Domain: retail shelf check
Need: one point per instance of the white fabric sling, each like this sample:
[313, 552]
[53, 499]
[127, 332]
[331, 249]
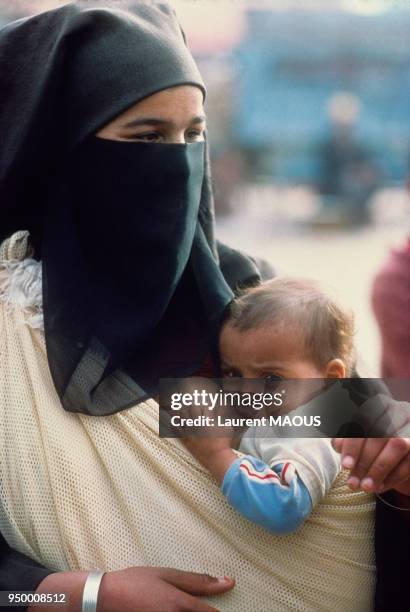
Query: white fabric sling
[78, 492]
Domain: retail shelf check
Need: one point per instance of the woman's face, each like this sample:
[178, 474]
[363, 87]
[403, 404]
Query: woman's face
[171, 116]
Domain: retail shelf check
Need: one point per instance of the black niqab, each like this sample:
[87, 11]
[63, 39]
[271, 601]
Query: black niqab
[132, 286]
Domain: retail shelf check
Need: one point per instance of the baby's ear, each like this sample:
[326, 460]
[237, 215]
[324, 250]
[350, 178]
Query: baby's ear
[335, 369]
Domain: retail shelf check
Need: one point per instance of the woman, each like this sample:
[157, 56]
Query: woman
[48, 102]
[110, 219]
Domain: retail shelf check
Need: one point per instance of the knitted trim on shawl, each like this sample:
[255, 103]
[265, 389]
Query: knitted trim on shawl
[21, 280]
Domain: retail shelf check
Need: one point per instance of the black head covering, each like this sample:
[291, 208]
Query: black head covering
[111, 330]
[67, 72]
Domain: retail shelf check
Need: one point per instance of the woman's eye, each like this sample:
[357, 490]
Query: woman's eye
[193, 135]
[272, 377]
[149, 137]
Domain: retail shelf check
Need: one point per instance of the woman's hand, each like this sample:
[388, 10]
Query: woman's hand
[138, 589]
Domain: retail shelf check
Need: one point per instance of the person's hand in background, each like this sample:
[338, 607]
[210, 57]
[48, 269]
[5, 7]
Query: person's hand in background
[382, 463]
[376, 464]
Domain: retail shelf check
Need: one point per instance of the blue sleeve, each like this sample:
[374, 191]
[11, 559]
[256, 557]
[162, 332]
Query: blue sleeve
[261, 495]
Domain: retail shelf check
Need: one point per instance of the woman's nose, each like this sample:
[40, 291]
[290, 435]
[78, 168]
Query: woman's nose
[175, 135]
[177, 138]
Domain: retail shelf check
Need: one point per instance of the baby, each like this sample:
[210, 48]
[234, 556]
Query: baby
[287, 328]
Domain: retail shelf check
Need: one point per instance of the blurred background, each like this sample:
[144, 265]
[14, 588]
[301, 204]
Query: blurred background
[309, 121]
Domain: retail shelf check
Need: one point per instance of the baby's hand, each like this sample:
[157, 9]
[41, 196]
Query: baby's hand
[209, 442]
[205, 447]
[210, 445]
[215, 453]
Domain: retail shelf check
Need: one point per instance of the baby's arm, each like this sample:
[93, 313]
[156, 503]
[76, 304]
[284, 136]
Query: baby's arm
[315, 461]
[275, 499]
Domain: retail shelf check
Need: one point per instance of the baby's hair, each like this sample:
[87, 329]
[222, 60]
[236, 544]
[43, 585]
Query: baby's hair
[326, 326]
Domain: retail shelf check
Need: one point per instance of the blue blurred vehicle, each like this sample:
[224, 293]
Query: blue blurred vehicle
[288, 67]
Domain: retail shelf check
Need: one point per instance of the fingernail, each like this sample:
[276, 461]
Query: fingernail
[224, 579]
[367, 484]
[337, 443]
[353, 482]
[348, 461]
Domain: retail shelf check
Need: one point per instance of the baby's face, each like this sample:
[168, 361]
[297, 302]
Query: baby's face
[270, 352]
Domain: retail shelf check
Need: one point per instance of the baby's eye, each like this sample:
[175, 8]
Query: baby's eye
[231, 374]
[272, 377]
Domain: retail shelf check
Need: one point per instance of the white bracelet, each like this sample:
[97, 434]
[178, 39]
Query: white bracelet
[90, 593]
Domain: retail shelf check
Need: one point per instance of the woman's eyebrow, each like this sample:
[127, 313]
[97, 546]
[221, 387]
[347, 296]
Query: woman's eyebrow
[158, 121]
[199, 119]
